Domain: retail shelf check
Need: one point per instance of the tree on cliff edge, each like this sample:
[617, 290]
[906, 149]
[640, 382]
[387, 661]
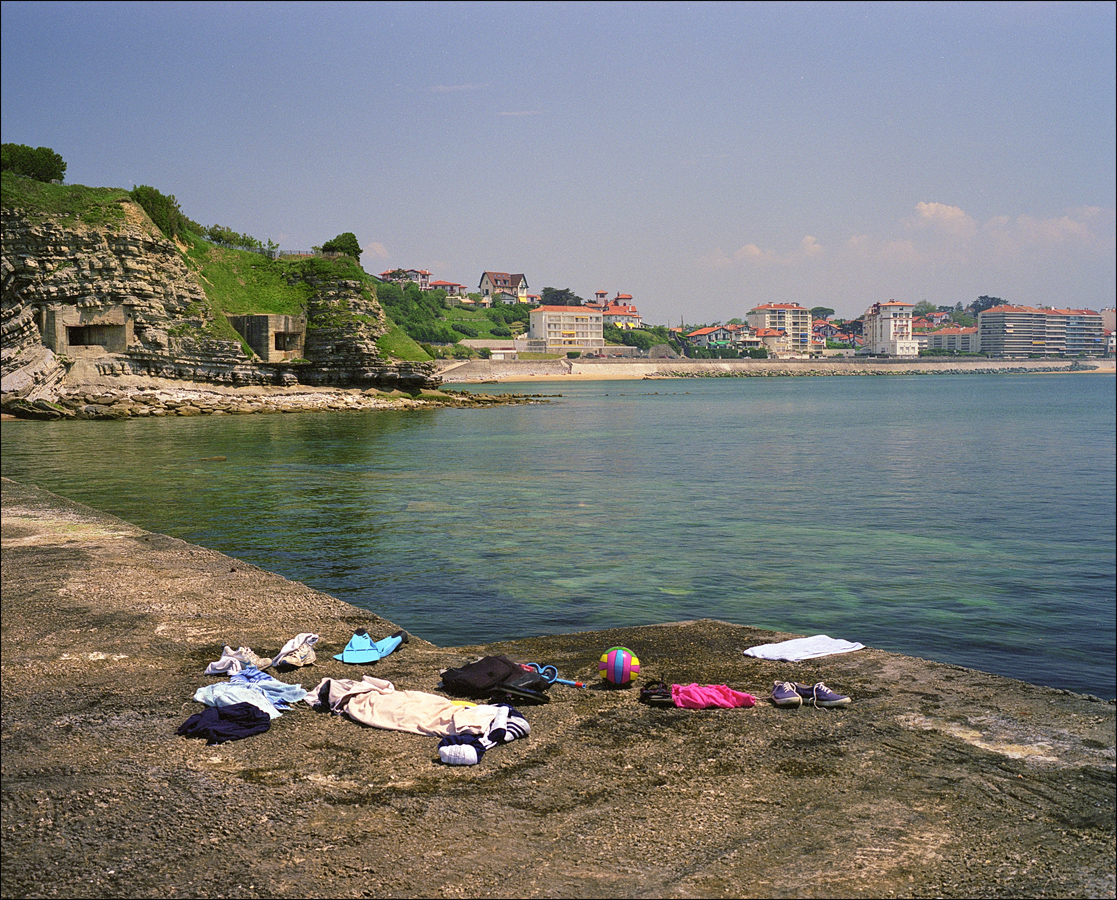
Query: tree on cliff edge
[346, 243]
[40, 163]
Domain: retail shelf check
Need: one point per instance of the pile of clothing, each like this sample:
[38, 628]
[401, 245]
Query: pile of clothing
[248, 702]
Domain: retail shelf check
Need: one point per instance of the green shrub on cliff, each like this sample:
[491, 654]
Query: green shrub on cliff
[163, 210]
[235, 282]
[346, 243]
[40, 163]
[226, 237]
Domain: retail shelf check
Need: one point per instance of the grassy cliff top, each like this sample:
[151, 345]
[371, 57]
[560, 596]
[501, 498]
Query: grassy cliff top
[39, 201]
[236, 282]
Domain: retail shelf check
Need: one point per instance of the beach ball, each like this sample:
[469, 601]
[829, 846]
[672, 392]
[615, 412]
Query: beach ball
[619, 665]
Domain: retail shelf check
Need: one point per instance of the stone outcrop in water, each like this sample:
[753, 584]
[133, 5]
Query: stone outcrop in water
[94, 302]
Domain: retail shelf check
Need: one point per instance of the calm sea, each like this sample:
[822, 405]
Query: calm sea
[968, 519]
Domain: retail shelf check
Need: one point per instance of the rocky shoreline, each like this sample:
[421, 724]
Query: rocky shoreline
[147, 399]
[937, 781]
[132, 396]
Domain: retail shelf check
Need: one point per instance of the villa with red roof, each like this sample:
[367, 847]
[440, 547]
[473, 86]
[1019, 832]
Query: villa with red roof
[420, 277]
[622, 313]
[452, 288]
[502, 287]
[732, 336]
[619, 311]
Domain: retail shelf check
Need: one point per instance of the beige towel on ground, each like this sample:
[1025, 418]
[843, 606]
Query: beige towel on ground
[376, 702]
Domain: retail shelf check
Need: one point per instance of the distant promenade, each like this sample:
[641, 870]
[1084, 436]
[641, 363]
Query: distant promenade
[482, 370]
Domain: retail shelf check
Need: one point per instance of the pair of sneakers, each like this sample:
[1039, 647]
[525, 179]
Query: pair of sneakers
[791, 695]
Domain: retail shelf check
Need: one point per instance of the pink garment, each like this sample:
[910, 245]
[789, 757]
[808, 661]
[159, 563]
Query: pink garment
[706, 696]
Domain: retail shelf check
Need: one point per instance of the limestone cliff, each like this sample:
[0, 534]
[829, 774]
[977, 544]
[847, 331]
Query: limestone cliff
[85, 302]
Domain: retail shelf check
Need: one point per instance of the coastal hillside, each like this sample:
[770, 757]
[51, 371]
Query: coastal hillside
[93, 288]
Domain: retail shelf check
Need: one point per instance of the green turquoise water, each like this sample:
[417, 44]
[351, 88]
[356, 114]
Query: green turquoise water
[969, 519]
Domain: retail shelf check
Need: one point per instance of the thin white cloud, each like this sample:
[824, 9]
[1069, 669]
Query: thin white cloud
[1052, 231]
[522, 112]
[936, 251]
[715, 259]
[903, 251]
[375, 248]
[951, 220]
[454, 88]
[938, 233]
[754, 254]
[810, 247]
[900, 251]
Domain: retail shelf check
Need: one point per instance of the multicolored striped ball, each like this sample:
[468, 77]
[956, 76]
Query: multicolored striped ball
[619, 665]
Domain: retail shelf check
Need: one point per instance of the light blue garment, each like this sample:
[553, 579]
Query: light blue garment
[225, 694]
[250, 675]
[362, 649]
[278, 692]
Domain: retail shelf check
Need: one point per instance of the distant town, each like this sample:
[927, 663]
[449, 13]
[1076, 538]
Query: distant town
[893, 328]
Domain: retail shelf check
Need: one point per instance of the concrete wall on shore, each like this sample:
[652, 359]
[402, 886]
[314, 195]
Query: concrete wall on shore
[480, 370]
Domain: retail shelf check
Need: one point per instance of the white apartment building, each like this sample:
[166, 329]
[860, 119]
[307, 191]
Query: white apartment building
[561, 329]
[1021, 331]
[790, 318]
[887, 330]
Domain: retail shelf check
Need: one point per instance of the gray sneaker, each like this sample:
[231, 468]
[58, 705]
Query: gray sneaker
[820, 695]
[784, 693]
[245, 655]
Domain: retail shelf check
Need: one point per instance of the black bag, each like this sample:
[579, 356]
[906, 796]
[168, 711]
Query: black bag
[493, 676]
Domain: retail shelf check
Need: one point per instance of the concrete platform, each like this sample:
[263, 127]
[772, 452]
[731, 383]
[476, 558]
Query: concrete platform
[935, 781]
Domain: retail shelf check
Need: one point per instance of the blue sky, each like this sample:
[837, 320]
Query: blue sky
[704, 158]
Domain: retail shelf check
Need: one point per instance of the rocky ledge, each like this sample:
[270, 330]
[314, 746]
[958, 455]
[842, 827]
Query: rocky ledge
[936, 781]
[176, 399]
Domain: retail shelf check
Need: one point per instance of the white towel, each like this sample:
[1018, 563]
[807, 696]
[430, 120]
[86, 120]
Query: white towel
[803, 648]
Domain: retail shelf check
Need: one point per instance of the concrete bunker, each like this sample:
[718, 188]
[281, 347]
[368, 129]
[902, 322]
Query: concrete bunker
[76, 331]
[273, 338]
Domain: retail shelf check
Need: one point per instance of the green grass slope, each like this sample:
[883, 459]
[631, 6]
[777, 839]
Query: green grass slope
[235, 282]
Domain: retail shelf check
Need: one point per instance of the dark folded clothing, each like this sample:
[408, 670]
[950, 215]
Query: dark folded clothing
[218, 724]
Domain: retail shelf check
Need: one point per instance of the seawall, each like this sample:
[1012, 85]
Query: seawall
[935, 781]
[481, 370]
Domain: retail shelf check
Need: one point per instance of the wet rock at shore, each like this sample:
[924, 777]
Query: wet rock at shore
[193, 400]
